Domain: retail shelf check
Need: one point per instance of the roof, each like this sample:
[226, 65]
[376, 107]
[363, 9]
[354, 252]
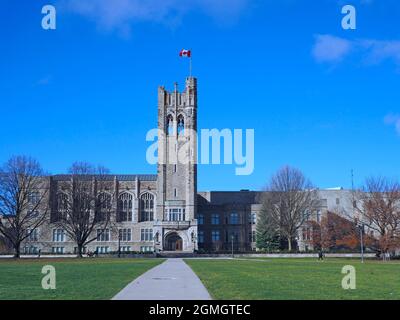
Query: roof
[110, 177]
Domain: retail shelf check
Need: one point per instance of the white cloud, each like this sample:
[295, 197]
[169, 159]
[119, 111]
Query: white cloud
[331, 49]
[378, 51]
[328, 48]
[393, 119]
[121, 14]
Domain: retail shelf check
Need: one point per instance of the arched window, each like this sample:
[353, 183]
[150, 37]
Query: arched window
[63, 206]
[103, 206]
[170, 125]
[62, 202]
[181, 125]
[125, 206]
[104, 201]
[147, 207]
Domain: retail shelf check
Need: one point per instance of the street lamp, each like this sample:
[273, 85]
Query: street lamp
[194, 238]
[361, 226]
[232, 238]
[119, 243]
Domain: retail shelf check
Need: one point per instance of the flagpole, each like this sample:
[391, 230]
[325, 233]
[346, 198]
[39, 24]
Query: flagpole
[190, 64]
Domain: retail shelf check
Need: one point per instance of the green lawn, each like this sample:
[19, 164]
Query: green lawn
[75, 278]
[281, 279]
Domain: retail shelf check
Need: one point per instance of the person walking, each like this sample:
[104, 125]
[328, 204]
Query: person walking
[320, 255]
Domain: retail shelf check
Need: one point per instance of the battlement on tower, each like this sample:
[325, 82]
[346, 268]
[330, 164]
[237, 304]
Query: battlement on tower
[176, 98]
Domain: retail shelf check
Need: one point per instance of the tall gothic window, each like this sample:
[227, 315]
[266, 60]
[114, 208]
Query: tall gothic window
[103, 206]
[62, 202]
[125, 207]
[170, 125]
[34, 198]
[181, 125]
[62, 207]
[147, 207]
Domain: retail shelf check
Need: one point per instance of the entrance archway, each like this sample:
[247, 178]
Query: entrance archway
[173, 242]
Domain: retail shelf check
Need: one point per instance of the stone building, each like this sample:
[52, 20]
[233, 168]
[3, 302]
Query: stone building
[165, 211]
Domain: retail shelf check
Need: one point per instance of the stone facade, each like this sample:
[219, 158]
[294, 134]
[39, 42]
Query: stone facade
[176, 222]
[164, 212]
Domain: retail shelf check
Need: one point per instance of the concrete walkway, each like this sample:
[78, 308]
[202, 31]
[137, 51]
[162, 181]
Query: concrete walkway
[171, 280]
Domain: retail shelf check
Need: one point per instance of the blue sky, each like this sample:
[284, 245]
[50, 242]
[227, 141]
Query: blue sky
[320, 98]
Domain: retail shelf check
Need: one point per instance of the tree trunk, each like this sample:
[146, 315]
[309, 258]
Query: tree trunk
[289, 243]
[80, 247]
[17, 249]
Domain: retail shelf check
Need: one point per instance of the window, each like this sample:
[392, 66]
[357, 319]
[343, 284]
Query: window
[33, 214]
[200, 219]
[306, 234]
[125, 249]
[34, 198]
[31, 250]
[102, 249]
[58, 235]
[105, 201]
[63, 206]
[337, 201]
[252, 218]
[318, 216]
[201, 236]
[32, 235]
[125, 234]
[125, 207]
[306, 215]
[175, 193]
[215, 236]
[176, 214]
[83, 250]
[103, 206]
[147, 207]
[181, 125]
[234, 218]
[252, 236]
[57, 250]
[146, 249]
[146, 235]
[215, 219]
[62, 202]
[103, 235]
[170, 125]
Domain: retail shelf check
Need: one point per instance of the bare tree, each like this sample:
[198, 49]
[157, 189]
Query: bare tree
[84, 205]
[377, 206]
[23, 205]
[289, 202]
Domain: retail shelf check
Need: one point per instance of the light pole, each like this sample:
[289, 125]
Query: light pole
[194, 238]
[232, 237]
[119, 243]
[362, 242]
[361, 225]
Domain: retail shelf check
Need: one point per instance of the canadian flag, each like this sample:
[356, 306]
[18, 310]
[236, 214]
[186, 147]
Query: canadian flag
[185, 53]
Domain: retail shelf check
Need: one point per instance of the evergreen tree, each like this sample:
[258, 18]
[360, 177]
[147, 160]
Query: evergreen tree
[267, 234]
